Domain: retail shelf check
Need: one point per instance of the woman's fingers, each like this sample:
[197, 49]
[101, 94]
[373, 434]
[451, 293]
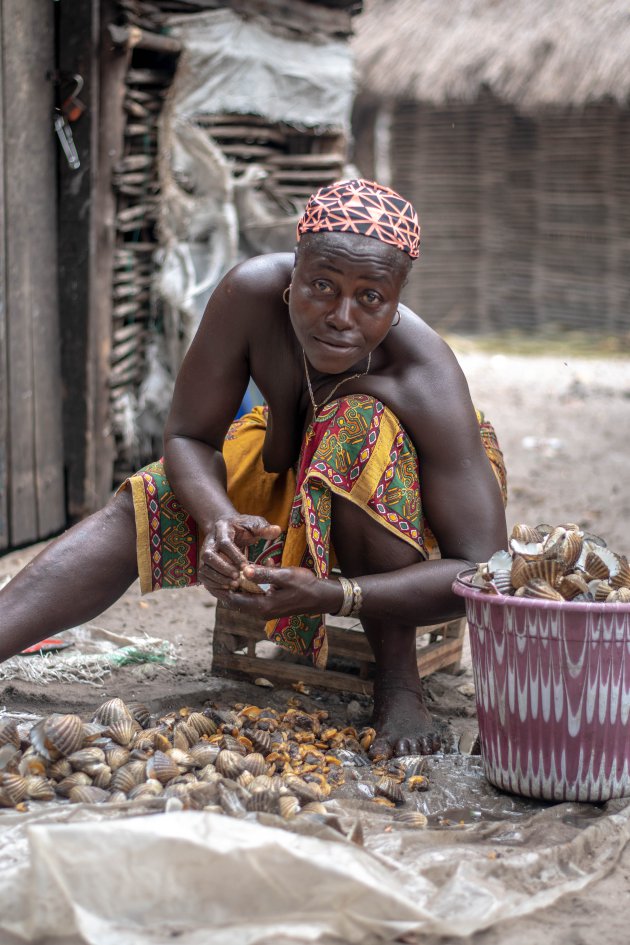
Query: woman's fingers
[226, 547]
[216, 564]
[246, 603]
[270, 531]
[222, 556]
[222, 564]
[216, 585]
[216, 572]
[252, 528]
[274, 576]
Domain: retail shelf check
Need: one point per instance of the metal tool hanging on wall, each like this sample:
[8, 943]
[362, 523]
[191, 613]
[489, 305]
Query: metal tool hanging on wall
[70, 109]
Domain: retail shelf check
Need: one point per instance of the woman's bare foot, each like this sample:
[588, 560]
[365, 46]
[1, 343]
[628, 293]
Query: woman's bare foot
[403, 724]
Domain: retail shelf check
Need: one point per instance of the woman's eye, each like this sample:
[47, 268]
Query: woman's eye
[372, 298]
[321, 286]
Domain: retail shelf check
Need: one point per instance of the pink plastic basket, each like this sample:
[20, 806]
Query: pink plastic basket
[552, 683]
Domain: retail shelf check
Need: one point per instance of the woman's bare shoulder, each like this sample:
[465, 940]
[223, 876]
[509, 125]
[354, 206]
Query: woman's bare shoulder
[429, 388]
[270, 273]
[251, 289]
[422, 352]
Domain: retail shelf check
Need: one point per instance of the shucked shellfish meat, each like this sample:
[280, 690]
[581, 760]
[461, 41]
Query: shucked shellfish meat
[559, 562]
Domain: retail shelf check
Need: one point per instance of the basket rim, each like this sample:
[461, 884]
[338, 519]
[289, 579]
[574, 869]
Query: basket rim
[463, 588]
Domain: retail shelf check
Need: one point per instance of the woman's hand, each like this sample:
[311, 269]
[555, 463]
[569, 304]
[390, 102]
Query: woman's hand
[222, 558]
[287, 591]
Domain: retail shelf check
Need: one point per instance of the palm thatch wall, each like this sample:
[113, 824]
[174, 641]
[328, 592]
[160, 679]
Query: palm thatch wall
[507, 124]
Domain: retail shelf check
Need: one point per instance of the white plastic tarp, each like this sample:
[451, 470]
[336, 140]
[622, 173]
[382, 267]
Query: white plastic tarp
[234, 65]
[85, 875]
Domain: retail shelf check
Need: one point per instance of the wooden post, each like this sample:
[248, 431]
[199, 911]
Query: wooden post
[86, 230]
[77, 26]
[4, 382]
[383, 144]
[33, 502]
[364, 113]
[114, 63]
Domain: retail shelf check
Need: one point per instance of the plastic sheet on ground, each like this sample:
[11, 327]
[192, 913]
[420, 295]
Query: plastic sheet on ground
[123, 873]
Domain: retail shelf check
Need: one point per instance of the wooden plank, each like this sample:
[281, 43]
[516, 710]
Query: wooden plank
[300, 16]
[346, 644]
[110, 134]
[40, 166]
[351, 644]
[439, 655]
[4, 380]
[235, 631]
[431, 659]
[276, 671]
[36, 491]
[22, 504]
[87, 233]
[342, 641]
[131, 36]
[76, 47]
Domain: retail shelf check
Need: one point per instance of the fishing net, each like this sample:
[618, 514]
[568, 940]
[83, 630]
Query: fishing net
[95, 653]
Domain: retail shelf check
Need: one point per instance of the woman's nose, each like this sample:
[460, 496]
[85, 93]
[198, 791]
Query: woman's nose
[340, 315]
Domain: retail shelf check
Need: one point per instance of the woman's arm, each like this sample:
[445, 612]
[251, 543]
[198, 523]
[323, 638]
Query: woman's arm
[209, 388]
[461, 497]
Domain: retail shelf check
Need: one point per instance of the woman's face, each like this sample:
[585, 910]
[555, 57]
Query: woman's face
[344, 294]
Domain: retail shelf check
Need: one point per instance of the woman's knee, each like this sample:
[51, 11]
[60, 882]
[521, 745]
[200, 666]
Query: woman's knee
[119, 510]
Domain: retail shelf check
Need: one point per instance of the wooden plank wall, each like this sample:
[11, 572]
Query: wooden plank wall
[32, 504]
[519, 303]
[620, 214]
[85, 235]
[573, 236]
[4, 380]
[434, 161]
[114, 63]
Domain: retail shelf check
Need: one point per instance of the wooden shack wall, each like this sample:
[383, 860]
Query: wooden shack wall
[443, 285]
[31, 455]
[86, 236]
[525, 221]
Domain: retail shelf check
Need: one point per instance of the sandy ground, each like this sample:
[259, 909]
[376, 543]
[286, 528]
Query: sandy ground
[562, 423]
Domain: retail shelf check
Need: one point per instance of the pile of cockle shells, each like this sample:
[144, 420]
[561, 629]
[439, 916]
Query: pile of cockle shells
[560, 563]
[235, 761]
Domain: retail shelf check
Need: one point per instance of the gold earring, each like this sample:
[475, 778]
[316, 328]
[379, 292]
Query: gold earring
[284, 294]
[393, 324]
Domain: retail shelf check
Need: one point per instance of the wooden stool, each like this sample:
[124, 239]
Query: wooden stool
[350, 659]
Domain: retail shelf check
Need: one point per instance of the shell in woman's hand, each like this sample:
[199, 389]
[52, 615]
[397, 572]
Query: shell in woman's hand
[250, 587]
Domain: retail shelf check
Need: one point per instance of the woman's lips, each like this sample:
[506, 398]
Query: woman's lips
[334, 346]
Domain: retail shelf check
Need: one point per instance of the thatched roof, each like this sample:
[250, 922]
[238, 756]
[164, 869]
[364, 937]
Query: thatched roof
[531, 53]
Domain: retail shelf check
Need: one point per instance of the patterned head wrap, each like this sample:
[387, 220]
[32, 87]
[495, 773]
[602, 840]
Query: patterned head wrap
[365, 207]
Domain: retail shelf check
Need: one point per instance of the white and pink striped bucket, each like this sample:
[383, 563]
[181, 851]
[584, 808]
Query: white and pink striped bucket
[552, 682]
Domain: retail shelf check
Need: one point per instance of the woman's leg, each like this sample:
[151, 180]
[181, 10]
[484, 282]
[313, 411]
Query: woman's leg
[74, 579]
[402, 721]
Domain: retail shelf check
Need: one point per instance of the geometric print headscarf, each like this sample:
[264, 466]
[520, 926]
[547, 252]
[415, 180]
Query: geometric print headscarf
[365, 207]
